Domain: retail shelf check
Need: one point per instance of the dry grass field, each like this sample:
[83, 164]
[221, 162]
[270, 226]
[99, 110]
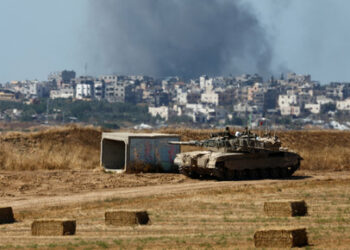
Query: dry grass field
[55, 173]
[70, 147]
[74, 147]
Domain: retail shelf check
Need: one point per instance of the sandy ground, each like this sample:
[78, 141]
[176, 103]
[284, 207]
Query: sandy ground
[56, 188]
[16, 185]
[184, 213]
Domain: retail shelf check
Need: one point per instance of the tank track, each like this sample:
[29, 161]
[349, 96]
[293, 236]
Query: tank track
[246, 174]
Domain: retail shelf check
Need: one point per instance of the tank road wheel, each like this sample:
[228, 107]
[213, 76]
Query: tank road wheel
[241, 174]
[220, 172]
[264, 173]
[187, 171]
[184, 171]
[253, 174]
[230, 174]
[274, 173]
[283, 172]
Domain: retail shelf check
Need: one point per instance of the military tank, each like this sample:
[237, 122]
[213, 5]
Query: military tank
[243, 155]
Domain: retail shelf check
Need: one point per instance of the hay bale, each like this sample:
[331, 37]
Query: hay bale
[281, 238]
[6, 215]
[126, 217]
[285, 208]
[53, 227]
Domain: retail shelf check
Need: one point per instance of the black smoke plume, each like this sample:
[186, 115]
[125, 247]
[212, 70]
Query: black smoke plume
[187, 38]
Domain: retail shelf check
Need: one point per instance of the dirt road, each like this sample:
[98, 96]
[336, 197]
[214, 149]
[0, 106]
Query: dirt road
[30, 201]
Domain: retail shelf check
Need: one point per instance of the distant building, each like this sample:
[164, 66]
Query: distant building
[62, 78]
[206, 83]
[162, 111]
[99, 89]
[287, 100]
[7, 95]
[343, 105]
[62, 93]
[290, 110]
[114, 88]
[323, 100]
[84, 87]
[313, 108]
[83, 91]
[210, 98]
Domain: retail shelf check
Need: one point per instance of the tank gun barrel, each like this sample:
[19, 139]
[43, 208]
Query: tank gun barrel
[190, 143]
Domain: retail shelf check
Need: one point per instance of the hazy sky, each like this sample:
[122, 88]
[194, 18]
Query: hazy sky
[41, 36]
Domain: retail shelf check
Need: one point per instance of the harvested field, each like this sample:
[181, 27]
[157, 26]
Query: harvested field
[199, 215]
[6, 215]
[281, 238]
[285, 208]
[126, 217]
[53, 227]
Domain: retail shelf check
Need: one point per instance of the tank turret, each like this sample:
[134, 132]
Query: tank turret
[240, 142]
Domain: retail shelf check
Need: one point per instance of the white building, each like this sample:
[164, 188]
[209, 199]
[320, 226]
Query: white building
[210, 97]
[109, 78]
[290, 110]
[200, 112]
[314, 108]
[206, 83]
[99, 89]
[162, 111]
[30, 89]
[181, 97]
[244, 107]
[83, 91]
[287, 100]
[343, 105]
[321, 99]
[62, 93]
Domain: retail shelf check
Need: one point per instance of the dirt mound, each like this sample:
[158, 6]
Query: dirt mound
[69, 147]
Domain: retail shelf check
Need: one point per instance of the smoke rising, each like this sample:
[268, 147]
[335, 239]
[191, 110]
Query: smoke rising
[187, 38]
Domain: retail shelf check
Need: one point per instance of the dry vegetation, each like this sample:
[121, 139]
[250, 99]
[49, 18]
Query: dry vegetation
[74, 147]
[69, 147]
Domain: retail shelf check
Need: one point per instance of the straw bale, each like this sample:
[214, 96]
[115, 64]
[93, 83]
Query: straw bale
[6, 215]
[53, 227]
[126, 217]
[281, 238]
[285, 208]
